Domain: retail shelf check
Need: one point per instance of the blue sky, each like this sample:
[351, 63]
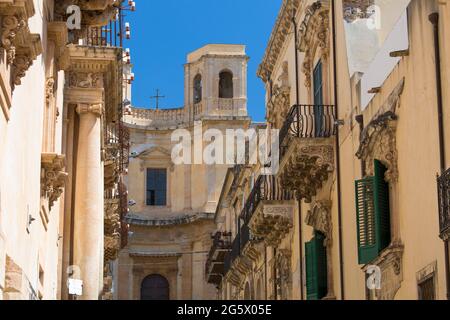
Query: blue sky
[165, 31]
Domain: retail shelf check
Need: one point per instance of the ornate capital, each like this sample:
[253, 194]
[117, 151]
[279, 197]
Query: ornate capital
[96, 109]
[279, 104]
[272, 221]
[319, 217]
[53, 176]
[378, 140]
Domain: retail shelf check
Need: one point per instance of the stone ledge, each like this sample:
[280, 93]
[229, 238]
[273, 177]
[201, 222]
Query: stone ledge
[134, 219]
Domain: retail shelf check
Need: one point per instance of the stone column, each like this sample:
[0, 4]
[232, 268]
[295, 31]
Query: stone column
[89, 212]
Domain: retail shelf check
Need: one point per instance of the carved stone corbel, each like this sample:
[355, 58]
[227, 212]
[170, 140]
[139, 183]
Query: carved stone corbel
[11, 25]
[307, 168]
[390, 263]
[53, 177]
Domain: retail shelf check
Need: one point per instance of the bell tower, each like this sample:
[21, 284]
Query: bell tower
[216, 81]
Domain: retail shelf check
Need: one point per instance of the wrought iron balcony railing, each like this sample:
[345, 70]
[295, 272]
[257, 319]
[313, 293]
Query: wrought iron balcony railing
[267, 188]
[308, 121]
[216, 257]
[444, 204]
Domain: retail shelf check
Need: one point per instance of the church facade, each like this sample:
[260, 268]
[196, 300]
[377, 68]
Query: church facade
[173, 205]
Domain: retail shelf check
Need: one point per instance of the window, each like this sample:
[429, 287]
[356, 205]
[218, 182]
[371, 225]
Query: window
[197, 89]
[156, 187]
[226, 85]
[427, 289]
[318, 100]
[373, 215]
[316, 268]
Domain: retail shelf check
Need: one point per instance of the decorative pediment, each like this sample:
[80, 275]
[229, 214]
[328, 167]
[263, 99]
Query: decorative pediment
[319, 217]
[378, 139]
[154, 152]
[314, 35]
[53, 177]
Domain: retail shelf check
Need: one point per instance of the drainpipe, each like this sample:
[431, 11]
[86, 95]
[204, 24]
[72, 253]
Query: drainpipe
[360, 120]
[434, 19]
[338, 151]
[297, 102]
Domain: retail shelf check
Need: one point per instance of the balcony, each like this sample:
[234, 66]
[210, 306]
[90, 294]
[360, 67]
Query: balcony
[238, 261]
[215, 265]
[307, 149]
[269, 210]
[444, 205]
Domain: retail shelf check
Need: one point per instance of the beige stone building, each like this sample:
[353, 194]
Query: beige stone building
[173, 205]
[63, 149]
[360, 93]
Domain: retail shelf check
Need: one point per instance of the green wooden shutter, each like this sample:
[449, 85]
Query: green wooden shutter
[311, 289]
[316, 268]
[382, 206]
[373, 215]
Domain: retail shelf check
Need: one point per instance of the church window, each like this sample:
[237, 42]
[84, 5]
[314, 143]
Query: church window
[226, 85]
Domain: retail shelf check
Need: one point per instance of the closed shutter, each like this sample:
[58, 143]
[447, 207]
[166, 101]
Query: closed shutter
[316, 268]
[373, 215]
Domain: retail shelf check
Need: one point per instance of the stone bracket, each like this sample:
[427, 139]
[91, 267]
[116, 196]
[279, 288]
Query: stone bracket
[53, 177]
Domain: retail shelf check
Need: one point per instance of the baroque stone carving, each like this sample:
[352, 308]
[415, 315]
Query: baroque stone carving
[307, 168]
[279, 104]
[314, 35]
[20, 45]
[96, 109]
[277, 40]
[378, 139]
[53, 177]
[282, 264]
[11, 25]
[85, 80]
[357, 9]
[319, 217]
[391, 265]
[272, 222]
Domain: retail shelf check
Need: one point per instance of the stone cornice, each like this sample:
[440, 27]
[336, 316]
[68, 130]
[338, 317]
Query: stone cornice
[278, 38]
[180, 220]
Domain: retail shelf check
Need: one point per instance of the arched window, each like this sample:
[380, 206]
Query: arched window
[155, 287]
[197, 89]
[226, 85]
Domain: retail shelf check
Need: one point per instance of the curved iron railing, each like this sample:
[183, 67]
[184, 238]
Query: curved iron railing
[267, 188]
[308, 121]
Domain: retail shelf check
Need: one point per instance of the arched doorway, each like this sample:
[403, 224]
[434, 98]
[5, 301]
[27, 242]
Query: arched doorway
[155, 287]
